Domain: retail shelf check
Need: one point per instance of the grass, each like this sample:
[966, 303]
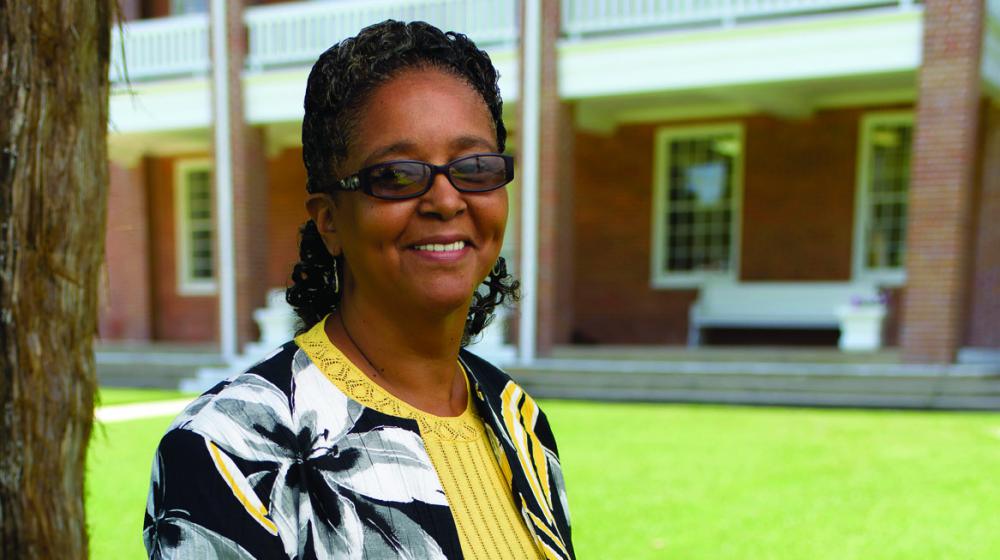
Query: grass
[700, 482]
[118, 466]
[107, 396]
[707, 482]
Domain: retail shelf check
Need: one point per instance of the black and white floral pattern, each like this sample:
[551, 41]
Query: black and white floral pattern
[280, 463]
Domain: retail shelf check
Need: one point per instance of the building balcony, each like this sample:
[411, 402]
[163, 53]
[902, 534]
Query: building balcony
[621, 61]
[294, 33]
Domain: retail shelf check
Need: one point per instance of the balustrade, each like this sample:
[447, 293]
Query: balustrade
[294, 33]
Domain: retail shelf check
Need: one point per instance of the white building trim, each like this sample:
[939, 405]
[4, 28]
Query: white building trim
[530, 156]
[862, 43]
[224, 184]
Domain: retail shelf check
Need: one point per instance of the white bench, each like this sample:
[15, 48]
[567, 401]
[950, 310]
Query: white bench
[774, 305]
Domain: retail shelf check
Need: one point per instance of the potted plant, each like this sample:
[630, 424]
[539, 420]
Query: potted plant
[861, 323]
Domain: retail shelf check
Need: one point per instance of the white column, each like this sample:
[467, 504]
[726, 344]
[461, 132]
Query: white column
[225, 244]
[531, 39]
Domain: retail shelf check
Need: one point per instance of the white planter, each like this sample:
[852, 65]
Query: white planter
[276, 323]
[861, 327]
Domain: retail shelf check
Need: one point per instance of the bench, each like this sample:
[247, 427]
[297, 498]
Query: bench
[774, 305]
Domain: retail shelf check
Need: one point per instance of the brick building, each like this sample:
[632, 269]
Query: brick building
[831, 147]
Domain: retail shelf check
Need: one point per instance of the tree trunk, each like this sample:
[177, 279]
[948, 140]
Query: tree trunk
[53, 185]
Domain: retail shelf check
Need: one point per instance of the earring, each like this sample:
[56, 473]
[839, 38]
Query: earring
[336, 277]
[500, 268]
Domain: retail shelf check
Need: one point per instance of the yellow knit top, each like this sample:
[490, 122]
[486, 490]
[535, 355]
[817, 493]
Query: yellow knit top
[489, 526]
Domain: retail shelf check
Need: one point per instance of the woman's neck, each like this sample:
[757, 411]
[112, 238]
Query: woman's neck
[412, 355]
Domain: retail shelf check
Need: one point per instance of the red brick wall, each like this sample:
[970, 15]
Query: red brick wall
[161, 8]
[155, 8]
[943, 176]
[285, 214]
[613, 302]
[799, 188]
[984, 310]
[799, 183]
[175, 317]
[250, 185]
[131, 9]
[152, 256]
[126, 306]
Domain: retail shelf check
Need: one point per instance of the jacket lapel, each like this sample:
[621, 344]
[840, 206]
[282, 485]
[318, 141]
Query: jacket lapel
[511, 416]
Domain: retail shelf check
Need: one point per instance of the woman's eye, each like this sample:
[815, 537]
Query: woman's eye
[393, 175]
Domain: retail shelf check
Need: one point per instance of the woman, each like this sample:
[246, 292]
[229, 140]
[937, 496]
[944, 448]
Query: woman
[374, 434]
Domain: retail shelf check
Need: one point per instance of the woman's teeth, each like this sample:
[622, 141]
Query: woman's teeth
[437, 247]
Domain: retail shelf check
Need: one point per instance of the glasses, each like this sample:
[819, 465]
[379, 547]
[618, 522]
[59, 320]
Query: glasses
[399, 180]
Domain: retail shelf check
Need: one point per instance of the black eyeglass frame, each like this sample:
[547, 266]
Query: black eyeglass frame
[360, 181]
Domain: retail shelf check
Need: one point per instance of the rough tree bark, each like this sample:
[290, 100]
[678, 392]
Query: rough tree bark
[53, 184]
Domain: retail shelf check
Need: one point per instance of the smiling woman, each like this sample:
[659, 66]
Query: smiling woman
[374, 433]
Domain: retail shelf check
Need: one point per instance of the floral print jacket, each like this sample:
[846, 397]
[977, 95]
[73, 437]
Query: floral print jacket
[279, 463]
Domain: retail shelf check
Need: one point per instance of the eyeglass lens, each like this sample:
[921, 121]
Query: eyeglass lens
[408, 178]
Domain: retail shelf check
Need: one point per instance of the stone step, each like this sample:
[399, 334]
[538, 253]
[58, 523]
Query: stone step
[899, 389]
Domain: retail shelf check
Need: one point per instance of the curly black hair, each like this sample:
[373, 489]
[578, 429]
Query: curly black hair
[339, 84]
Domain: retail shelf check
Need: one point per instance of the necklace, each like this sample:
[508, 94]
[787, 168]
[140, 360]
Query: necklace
[356, 345]
[375, 368]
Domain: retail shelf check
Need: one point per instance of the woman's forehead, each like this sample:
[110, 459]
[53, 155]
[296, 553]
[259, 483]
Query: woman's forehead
[418, 107]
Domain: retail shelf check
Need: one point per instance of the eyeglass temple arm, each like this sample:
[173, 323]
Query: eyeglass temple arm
[351, 183]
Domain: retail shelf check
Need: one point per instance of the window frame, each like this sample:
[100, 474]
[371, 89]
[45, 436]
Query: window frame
[860, 271]
[659, 278]
[186, 284]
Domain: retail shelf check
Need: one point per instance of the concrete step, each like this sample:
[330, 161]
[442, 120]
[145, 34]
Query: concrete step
[854, 385]
[146, 366]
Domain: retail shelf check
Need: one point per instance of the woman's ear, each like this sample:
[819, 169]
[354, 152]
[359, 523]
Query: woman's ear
[322, 209]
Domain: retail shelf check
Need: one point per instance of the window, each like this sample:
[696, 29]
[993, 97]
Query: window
[195, 227]
[884, 154]
[178, 7]
[696, 198]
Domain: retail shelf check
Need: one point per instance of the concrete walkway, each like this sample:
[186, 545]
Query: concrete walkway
[138, 411]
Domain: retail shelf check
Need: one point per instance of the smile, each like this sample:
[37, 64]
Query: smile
[440, 248]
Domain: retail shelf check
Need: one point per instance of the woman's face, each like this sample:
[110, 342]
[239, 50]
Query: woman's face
[392, 249]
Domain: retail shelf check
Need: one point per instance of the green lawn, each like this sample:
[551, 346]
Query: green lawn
[107, 396]
[707, 482]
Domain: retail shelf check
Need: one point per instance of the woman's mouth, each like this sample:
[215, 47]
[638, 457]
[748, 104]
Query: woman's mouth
[441, 248]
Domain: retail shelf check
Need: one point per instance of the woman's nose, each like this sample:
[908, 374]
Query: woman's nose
[442, 200]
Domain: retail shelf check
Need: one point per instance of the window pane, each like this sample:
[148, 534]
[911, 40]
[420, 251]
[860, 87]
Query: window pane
[889, 149]
[200, 228]
[178, 7]
[699, 201]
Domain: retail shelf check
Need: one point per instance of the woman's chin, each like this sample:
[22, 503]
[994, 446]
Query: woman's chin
[444, 300]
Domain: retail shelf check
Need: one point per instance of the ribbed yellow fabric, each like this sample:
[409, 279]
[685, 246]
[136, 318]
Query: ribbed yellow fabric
[489, 526]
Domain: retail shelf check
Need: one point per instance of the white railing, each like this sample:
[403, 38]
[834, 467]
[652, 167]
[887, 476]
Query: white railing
[583, 17]
[296, 33]
[164, 47]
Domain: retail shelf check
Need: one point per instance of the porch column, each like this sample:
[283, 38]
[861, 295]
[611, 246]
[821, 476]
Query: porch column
[555, 232]
[546, 221]
[942, 183]
[985, 282]
[240, 180]
[126, 290]
[250, 224]
[530, 53]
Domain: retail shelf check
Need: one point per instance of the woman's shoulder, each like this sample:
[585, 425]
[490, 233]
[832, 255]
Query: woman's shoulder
[273, 393]
[487, 375]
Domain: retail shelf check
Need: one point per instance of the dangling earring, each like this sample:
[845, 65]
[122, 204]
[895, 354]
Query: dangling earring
[500, 268]
[336, 277]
